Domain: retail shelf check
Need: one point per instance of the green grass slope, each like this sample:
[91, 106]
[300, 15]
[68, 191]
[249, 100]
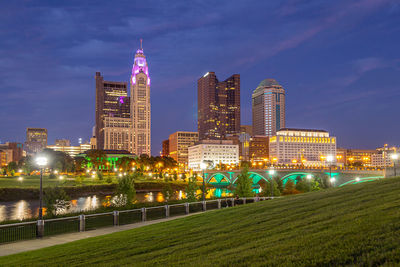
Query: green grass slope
[353, 225]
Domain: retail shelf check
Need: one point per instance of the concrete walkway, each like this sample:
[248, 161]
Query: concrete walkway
[22, 246]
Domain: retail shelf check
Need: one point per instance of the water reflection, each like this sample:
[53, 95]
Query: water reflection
[20, 210]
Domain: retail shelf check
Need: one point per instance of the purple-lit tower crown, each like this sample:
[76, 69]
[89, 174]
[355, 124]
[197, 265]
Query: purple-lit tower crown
[140, 65]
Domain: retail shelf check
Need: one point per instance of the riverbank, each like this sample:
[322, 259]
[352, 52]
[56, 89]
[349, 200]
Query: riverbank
[13, 194]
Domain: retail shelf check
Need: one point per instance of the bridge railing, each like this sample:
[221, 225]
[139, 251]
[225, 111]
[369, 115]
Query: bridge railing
[37, 229]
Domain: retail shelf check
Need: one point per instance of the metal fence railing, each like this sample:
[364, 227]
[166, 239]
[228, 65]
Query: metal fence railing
[130, 216]
[94, 221]
[30, 230]
[178, 209]
[61, 225]
[17, 231]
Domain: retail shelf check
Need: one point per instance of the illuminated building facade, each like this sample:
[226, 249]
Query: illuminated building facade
[259, 148]
[268, 107]
[5, 156]
[215, 151]
[62, 142]
[71, 150]
[113, 123]
[140, 105]
[12, 151]
[179, 142]
[165, 148]
[218, 106]
[355, 157]
[36, 140]
[382, 157]
[302, 146]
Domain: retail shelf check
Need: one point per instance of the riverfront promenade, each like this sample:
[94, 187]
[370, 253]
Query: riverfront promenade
[23, 246]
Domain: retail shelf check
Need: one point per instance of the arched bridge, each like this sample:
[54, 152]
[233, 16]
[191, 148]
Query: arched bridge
[222, 179]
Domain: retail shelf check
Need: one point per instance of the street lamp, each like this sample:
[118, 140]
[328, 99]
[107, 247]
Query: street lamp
[357, 179]
[41, 161]
[394, 157]
[329, 159]
[203, 166]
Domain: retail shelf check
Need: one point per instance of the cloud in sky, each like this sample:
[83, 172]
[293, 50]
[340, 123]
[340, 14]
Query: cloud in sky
[51, 50]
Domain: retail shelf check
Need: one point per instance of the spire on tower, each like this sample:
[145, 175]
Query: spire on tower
[141, 40]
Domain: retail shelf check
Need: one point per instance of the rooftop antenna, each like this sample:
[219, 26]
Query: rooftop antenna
[141, 40]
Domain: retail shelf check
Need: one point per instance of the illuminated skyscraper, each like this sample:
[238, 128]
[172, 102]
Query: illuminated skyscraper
[268, 103]
[218, 106]
[140, 105]
[36, 140]
[113, 123]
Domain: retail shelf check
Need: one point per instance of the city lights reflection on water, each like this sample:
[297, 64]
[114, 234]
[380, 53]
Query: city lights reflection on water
[22, 209]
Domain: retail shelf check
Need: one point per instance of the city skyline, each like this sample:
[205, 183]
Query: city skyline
[353, 95]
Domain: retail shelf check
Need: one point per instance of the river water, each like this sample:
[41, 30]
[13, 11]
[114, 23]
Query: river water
[25, 209]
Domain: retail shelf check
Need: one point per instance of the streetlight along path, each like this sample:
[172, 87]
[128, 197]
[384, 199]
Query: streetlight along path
[23, 246]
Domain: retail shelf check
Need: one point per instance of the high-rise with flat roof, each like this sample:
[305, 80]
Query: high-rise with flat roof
[36, 140]
[113, 123]
[218, 106]
[268, 104]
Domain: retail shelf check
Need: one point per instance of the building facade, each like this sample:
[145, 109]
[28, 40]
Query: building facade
[62, 142]
[179, 142]
[259, 148]
[382, 157]
[6, 156]
[71, 150]
[36, 140]
[302, 146]
[113, 123]
[165, 148]
[218, 106]
[140, 105]
[268, 107]
[215, 151]
[355, 157]
[15, 151]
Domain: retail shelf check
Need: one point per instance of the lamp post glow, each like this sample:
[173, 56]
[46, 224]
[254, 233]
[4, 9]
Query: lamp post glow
[357, 179]
[41, 162]
[309, 176]
[203, 167]
[394, 157]
[329, 159]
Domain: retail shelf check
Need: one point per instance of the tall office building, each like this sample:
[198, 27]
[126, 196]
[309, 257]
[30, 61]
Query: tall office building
[218, 106]
[140, 105]
[179, 142]
[36, 140]
[113, 123]
[268, 104]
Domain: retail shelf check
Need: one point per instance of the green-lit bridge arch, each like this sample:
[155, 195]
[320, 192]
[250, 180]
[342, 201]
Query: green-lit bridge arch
[222, 179]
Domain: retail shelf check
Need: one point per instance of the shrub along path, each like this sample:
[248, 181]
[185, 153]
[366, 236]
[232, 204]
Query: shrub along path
[352, 225]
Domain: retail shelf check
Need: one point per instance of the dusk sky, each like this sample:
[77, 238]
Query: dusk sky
[339, 62]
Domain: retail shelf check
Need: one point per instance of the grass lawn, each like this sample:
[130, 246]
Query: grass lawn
[352, 225]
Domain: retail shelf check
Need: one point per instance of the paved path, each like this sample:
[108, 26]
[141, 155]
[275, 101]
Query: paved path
[22, 246]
